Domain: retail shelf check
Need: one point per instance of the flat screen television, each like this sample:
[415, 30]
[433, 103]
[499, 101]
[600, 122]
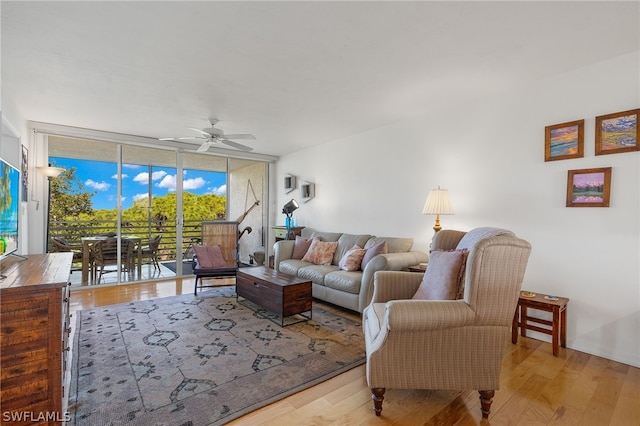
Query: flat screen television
[9, 208]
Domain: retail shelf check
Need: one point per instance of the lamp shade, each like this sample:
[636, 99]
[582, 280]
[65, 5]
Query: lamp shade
[438, 202]
[290, 207]
[50, 172]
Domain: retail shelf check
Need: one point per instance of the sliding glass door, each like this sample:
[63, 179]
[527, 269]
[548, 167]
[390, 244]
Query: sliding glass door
[157, 198]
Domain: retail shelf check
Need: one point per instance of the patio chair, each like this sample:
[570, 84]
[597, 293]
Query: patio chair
[63, 246]
[106, 254]
[151, 251]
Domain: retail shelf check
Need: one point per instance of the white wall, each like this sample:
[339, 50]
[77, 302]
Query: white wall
[490, 155]
[14, 135]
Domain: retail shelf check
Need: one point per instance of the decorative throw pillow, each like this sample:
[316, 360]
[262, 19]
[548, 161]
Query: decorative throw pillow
[352, 259]
[373, 251]
[444, 276]
[320, 252]
[210, 256]
[301, 247]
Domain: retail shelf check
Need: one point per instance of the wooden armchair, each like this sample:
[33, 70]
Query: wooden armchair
[225, 262]
[445, 344]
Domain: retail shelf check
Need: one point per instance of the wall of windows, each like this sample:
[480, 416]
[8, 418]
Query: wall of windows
[141, 193]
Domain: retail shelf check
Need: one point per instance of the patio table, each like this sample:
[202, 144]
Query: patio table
[88, 242]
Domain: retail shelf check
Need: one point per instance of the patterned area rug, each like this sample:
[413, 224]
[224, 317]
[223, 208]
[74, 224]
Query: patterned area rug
[199, 360]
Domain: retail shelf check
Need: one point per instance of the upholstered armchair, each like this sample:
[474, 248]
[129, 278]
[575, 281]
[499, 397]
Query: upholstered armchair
[446, 344]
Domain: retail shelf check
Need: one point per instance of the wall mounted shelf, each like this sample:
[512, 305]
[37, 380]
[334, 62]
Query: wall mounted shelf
[307, 191]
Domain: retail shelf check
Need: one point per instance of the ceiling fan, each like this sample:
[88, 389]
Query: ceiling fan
[212, 136]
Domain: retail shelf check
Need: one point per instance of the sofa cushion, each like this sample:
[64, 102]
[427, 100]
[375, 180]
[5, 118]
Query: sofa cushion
[326, 236]
[394, 245]
[320, 252]
[316, 273]
[210, 256]
[352, 259]
[348, 282]
[444, 276]
[291, 266]
[373, 251]
[301, 247]
[346, 243]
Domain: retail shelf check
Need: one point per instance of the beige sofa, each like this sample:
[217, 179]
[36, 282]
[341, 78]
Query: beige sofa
[351, 290]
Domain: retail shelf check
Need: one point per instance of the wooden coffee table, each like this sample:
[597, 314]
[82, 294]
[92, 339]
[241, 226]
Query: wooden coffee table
[282, 294]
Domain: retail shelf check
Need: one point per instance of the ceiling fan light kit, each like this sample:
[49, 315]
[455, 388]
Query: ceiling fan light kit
[213, 136]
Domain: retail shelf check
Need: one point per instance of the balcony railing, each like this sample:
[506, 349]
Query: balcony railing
[74, 231]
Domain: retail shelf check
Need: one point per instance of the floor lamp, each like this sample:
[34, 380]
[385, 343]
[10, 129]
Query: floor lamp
[50, 173]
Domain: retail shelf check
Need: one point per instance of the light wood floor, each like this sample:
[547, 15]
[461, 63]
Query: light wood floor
[536, 387]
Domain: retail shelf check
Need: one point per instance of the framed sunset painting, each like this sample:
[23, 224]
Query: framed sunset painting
[618, 132]
[564, 141]
[589, 187]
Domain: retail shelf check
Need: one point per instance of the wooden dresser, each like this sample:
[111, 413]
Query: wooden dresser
[34, 326]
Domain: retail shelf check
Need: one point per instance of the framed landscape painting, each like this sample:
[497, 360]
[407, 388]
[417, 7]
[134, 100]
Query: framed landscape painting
[618, 132]
[564, 141]
[589, 187]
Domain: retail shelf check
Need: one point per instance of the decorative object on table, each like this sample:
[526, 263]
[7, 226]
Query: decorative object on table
[618, 132]
[564, 141]
[589, 187]
[199, 359]
[307, 191]
[259, 257]
[50, 173]
[438, 203]
[289, 183]
[288, 210]
[25, 174]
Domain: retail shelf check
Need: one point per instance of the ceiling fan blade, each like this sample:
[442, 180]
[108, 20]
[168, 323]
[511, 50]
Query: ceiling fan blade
[236, 145]
[183, 139]
[240, 136]
[204, 147]
[200, 131]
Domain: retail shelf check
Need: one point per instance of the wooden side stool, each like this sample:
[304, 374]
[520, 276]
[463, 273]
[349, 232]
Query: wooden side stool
[558, 325]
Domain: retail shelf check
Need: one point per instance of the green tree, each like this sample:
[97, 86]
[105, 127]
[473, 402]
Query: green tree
[69, 198]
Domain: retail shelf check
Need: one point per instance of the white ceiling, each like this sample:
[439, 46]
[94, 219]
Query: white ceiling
[294, 74]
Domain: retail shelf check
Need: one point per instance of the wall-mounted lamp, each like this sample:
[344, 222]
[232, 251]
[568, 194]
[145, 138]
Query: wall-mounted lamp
[50, 173]
[438, 203]
[288, 210]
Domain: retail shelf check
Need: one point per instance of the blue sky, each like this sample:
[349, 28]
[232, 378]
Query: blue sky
[101, 177]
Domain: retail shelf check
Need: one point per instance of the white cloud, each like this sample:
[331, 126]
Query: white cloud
[98, 186]
[194, 183]
[220, 190]
[169, 183]
[144, 176]
[140, 197]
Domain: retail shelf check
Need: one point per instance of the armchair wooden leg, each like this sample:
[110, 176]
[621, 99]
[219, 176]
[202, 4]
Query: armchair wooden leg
[486, 398]
[377, 394]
